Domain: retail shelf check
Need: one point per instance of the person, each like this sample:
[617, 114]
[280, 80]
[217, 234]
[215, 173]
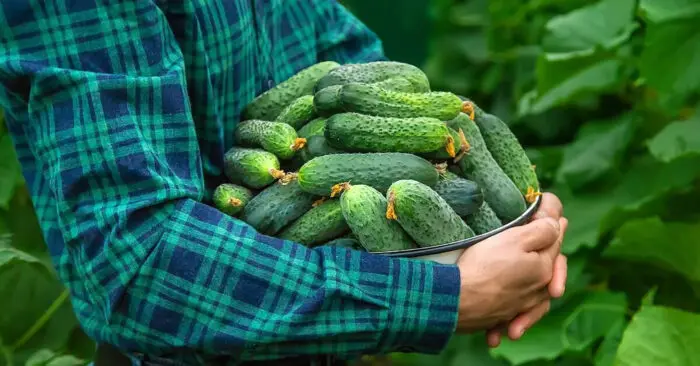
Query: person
[121, 112]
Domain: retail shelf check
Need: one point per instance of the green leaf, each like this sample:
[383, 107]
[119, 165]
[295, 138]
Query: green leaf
[10, 173]
[678, 139]
[605, 355]
[573, 327]
[590, 27]
[595, 152]
[660, 336]
[670, 60]
[670, 246]
[46, 357]
[473, 350]
[658, 11]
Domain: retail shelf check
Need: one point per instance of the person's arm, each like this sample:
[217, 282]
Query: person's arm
[342, 37]
[108, 122]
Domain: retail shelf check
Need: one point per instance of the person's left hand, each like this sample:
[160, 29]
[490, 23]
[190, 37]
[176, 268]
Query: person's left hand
[552, 207]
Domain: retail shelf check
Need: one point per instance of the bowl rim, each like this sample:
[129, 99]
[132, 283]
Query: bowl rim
[465, 243]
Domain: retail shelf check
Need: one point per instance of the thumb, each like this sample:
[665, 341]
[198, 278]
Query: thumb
[539, 234]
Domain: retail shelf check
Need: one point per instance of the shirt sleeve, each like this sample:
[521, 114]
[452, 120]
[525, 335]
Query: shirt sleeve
[342, 37]
[108, 121]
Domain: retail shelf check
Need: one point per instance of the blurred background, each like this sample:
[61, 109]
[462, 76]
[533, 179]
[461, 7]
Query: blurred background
[603, 94]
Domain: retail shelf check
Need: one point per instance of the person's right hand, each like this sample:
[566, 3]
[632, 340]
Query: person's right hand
[507, 274]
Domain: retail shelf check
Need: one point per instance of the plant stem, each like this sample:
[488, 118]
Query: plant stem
[8, 355]
[41, 321]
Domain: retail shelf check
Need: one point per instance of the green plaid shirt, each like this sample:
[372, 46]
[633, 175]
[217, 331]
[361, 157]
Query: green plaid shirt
[121, 112]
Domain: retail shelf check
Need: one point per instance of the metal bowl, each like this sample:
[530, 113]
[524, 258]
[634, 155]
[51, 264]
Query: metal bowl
[449, 253]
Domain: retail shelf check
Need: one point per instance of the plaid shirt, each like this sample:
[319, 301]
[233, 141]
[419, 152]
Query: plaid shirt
[121, 112]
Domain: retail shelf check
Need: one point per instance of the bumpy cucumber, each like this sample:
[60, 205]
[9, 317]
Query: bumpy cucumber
[483, 220]
[276, 137]
[317, 146]
[355, 132]
[375, 101]
[364, 209]
[320, 224]
[346, 242]
[377, 170]
[478, 165]
[446, 154]
[398, 83]
[327, 101]
[464, 196]
[277, 206]
[508, 153]
[268, 105]
[314, 128]
[424, 215]
[253, 168]
[299, 112]
[372, 72]
[231, 198]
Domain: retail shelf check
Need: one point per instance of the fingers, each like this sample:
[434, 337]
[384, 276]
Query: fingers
[550, 206]
[524, 321]
[554, 250]
[558, 283]
[493, 336]
[538, 235]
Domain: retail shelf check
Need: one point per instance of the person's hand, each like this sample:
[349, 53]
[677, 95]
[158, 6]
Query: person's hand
[507, 274]
[551, 207]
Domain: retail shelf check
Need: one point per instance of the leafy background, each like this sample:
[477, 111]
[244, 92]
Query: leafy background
[603, 94]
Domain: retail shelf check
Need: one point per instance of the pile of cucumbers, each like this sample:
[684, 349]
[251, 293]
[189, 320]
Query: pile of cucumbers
[367, 156]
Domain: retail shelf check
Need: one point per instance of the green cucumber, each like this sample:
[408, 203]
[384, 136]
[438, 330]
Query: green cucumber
[464, 196]
[373, 100]
[424, 215]
[478, 165]
[444, 154]
[299, 112]
[320, 224]
[269, 104]
[364, 209]
[508, 153]
[313, 128]
[253, 168]
[346, 242]
[483, 220]
[372, 72]
[378, 170]
[398, 83]
[276, 137]
[354, 132]
[317, 146]
[231, 198]
[277, 206]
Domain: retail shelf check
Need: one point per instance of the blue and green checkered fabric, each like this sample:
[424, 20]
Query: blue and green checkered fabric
[121, 112]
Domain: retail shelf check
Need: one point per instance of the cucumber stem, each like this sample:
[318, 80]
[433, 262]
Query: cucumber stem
[298, 144]
[468, 108]
[450, 147]
[276, 173]
[390, 212]
[235, 201]
[339, 188]
[531, 195]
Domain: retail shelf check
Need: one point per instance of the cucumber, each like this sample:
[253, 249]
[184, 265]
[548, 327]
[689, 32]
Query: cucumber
[508, 153]
[313, 128]
[299, 112]
[231, 198]
[375, 101]
[355, 132]
[317, 146]
[398, 83]
[276, 137]
[424, 215]
[277, 206]
[253, 168]
[483, 220]
[364, 210]
[320, 224]
[372, 72]
[378, 170]
[464, 196]
[346, 242]
[478, 165]
[444, 154]
[269, 104]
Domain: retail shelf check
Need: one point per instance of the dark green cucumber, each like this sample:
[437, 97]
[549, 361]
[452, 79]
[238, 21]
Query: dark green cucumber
[253, 168]
[313, 128]
[364, 209]
[354, 132]
[508, 153]
[346, 242]
[444, 154]
[372, 72]
[299, 112]
[377, 170]
[483, 220]
[464, 196]
[478, 165]
[231, 198]
[424, 215]
[277, 206]
[398, 83]
[320, 224]
[276, 137]
[268, 105]
[373, 100]
[317, 146]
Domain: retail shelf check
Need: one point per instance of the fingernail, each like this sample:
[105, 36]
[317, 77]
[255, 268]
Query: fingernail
[521, 332]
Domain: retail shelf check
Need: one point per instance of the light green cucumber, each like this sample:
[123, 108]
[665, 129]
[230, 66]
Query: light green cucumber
[299, 112]
[398, 83]
[443, 154]
[276, 137]
[327, 101]
[483, 220]
[317, 146]
[313, 128]
[320, 224]
[252, 168]
[376, 71]
[231, 198]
